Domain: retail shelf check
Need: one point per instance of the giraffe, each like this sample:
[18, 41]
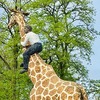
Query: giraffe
[17, 17]
[47, 85]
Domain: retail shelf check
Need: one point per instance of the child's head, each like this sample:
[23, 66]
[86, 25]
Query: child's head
[27, 29]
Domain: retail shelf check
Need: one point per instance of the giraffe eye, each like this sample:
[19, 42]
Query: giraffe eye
[12, 13]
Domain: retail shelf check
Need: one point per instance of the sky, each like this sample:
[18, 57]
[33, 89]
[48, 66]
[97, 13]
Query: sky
[94, 68]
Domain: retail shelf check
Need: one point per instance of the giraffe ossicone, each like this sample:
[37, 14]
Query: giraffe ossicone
[47, 85]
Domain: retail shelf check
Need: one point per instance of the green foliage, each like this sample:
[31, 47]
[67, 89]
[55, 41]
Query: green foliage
[93, 87]
[68, 34]
[13, 86]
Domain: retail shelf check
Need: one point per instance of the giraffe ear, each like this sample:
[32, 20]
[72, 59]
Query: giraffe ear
[13, 10]
[17, 11]
[25, 13]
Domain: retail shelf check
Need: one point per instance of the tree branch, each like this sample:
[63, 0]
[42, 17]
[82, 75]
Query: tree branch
[5, 62]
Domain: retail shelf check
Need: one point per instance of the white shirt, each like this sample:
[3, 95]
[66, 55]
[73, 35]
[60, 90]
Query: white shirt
[32, 38]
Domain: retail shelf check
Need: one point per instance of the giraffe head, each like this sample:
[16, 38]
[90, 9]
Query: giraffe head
[16, 17]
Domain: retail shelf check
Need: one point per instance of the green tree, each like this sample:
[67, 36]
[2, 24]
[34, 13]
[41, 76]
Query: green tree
[94, 88]
[13, 86]
[68, 34]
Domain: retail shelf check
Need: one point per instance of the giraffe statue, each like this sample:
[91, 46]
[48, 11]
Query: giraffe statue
[17, 17]
[47, 85]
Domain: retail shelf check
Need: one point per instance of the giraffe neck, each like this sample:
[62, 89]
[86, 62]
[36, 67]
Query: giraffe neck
[35, 68]
[38, 68]
[21, 24]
